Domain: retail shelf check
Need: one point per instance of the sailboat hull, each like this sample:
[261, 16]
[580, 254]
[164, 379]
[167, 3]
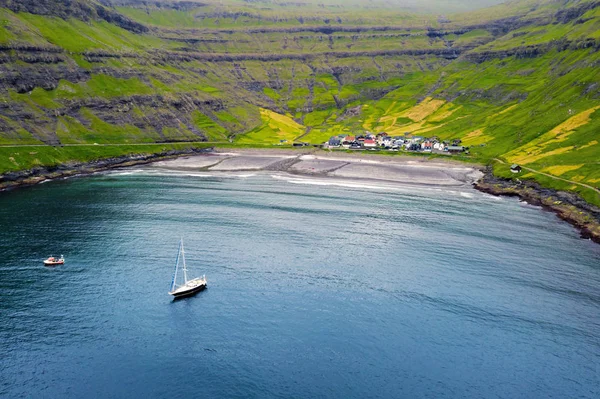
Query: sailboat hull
[187, 293]
[190, 288]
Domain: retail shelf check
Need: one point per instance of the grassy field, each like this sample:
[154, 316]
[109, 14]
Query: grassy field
[276, 129]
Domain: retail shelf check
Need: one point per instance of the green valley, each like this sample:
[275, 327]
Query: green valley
[517, 82]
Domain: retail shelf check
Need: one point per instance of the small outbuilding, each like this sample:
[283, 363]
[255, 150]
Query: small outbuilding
[455, 149]
[515, 168]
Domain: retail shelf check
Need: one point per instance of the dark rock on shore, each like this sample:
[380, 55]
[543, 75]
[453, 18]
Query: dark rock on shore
[567, 205]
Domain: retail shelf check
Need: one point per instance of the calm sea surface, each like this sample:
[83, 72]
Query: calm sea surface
[316, 290]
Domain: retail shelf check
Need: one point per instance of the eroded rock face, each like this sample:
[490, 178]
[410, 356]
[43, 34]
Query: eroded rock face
[79, 9]
[149, 113]
[156, 4]
[567, 15]
[533, 51]
[23, 79]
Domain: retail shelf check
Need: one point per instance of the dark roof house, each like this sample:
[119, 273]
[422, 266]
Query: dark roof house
[335, 141]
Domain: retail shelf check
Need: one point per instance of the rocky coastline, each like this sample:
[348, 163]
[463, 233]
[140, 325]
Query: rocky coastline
[566, 205]
[11, 180]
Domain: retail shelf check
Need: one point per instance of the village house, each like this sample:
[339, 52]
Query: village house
[514, 168]
[348, 141]
[382, 140]
[334, 142]
[370, 143]
[386, 142]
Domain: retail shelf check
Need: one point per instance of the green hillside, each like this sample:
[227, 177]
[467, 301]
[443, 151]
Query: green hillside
[518, 81]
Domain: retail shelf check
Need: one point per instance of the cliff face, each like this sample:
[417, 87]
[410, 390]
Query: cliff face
[68, 74]
[83, 10]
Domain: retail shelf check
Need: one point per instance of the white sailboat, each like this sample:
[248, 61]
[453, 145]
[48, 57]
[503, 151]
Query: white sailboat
[189, 287]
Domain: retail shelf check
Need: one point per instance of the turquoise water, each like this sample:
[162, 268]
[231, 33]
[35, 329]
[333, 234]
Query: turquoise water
[347, 290]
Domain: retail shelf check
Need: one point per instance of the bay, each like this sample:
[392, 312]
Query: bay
[317, 288]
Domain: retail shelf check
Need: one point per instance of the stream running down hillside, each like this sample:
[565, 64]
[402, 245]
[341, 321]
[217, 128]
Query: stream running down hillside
[318, 287]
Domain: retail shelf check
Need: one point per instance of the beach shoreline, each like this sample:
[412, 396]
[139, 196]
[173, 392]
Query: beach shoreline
[396, 169]
[399, 169]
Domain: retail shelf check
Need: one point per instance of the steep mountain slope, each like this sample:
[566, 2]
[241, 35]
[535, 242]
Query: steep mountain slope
[518, 81]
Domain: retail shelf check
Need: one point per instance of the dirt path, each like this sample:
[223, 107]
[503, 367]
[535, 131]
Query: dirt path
[553, 177]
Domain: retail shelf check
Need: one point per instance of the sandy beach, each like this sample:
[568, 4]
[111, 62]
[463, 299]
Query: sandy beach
[397, 169]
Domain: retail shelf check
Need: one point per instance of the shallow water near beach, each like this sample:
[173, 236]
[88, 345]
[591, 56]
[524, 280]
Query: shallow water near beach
[318, 287]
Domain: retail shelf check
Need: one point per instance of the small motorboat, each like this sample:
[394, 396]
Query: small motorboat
[52, 261]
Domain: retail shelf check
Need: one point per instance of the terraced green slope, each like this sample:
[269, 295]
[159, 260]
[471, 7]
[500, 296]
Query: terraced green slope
[518, 82]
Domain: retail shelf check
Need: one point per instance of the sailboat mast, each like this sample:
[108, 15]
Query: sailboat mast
[184, 266]
[176, 265]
